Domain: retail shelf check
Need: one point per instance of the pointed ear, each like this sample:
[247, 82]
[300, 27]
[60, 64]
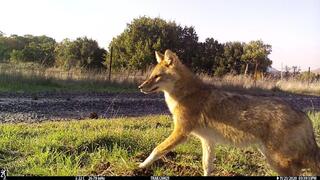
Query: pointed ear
[159, 56]
[169, 57]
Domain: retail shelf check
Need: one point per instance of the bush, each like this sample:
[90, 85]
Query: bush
[81, 53]
[39, 49]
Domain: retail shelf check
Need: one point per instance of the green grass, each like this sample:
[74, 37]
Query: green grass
[115, 147]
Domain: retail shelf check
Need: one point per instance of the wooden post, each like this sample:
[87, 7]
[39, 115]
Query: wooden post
[110, 65]
[309, 74]
[246, 70]
[281, 72]
[255, 76]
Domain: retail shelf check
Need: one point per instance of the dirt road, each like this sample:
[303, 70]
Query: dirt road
[22, 107]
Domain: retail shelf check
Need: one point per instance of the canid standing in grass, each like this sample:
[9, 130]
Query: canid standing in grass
[284, 135]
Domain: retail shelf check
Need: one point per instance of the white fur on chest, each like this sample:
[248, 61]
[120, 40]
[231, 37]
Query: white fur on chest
[171, 103]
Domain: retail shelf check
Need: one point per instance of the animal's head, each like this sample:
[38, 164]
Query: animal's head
[164, 75]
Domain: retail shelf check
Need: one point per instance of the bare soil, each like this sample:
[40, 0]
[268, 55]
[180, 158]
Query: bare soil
[29, 108]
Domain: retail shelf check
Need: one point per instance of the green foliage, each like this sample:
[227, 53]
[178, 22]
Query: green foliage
[209, 55]
[7, 45]
[256, 52]
[134, 47]
[232, 55]
[134, 50]
[16, 54]
[28, 48]
[81, 53]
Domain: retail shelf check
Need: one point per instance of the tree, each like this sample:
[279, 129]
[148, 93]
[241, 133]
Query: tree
[232, 54]
[66, 54]
[256, 52]
[4, 54]
[81, 53]
[28, 48]
[208, 56]
[8, 44]
[134, 47]
[187, 46]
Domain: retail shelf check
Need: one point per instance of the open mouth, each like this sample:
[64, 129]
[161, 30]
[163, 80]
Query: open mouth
[150, 91]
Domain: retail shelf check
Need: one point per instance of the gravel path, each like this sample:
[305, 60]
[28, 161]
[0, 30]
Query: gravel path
[20, 107]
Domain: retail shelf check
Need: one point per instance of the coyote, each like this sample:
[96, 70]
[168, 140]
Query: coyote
[283, 134]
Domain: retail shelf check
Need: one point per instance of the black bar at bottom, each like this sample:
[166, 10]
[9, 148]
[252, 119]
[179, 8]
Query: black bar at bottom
[161, 177]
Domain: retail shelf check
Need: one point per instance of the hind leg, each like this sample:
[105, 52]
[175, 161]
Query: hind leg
[283, 165]
[315, 171]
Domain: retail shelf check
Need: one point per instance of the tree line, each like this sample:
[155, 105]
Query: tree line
[80, 53]
[134, 49]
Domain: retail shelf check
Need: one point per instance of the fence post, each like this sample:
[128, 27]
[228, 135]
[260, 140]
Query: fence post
[281, 72]
[110, 65]
[309, 74]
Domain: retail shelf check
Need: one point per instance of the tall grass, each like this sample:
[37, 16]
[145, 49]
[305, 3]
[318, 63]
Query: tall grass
[30, 77]
[302, 87]
[267, 85]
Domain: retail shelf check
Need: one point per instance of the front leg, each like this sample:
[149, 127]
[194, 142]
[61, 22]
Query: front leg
[207, 157]
[176, 137]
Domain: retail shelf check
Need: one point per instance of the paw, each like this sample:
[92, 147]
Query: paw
[207, 173]
[148, 161]
[142, 165]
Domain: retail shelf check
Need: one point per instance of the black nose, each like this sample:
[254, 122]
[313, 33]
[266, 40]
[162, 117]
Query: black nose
[140, 86]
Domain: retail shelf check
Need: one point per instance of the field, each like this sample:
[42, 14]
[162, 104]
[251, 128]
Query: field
[32, 78]
[115, 147]
[47, 129]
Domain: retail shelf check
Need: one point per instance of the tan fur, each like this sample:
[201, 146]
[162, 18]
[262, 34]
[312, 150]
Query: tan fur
[284, 135]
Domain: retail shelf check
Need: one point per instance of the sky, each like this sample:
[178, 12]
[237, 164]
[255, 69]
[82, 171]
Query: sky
[292, 27]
